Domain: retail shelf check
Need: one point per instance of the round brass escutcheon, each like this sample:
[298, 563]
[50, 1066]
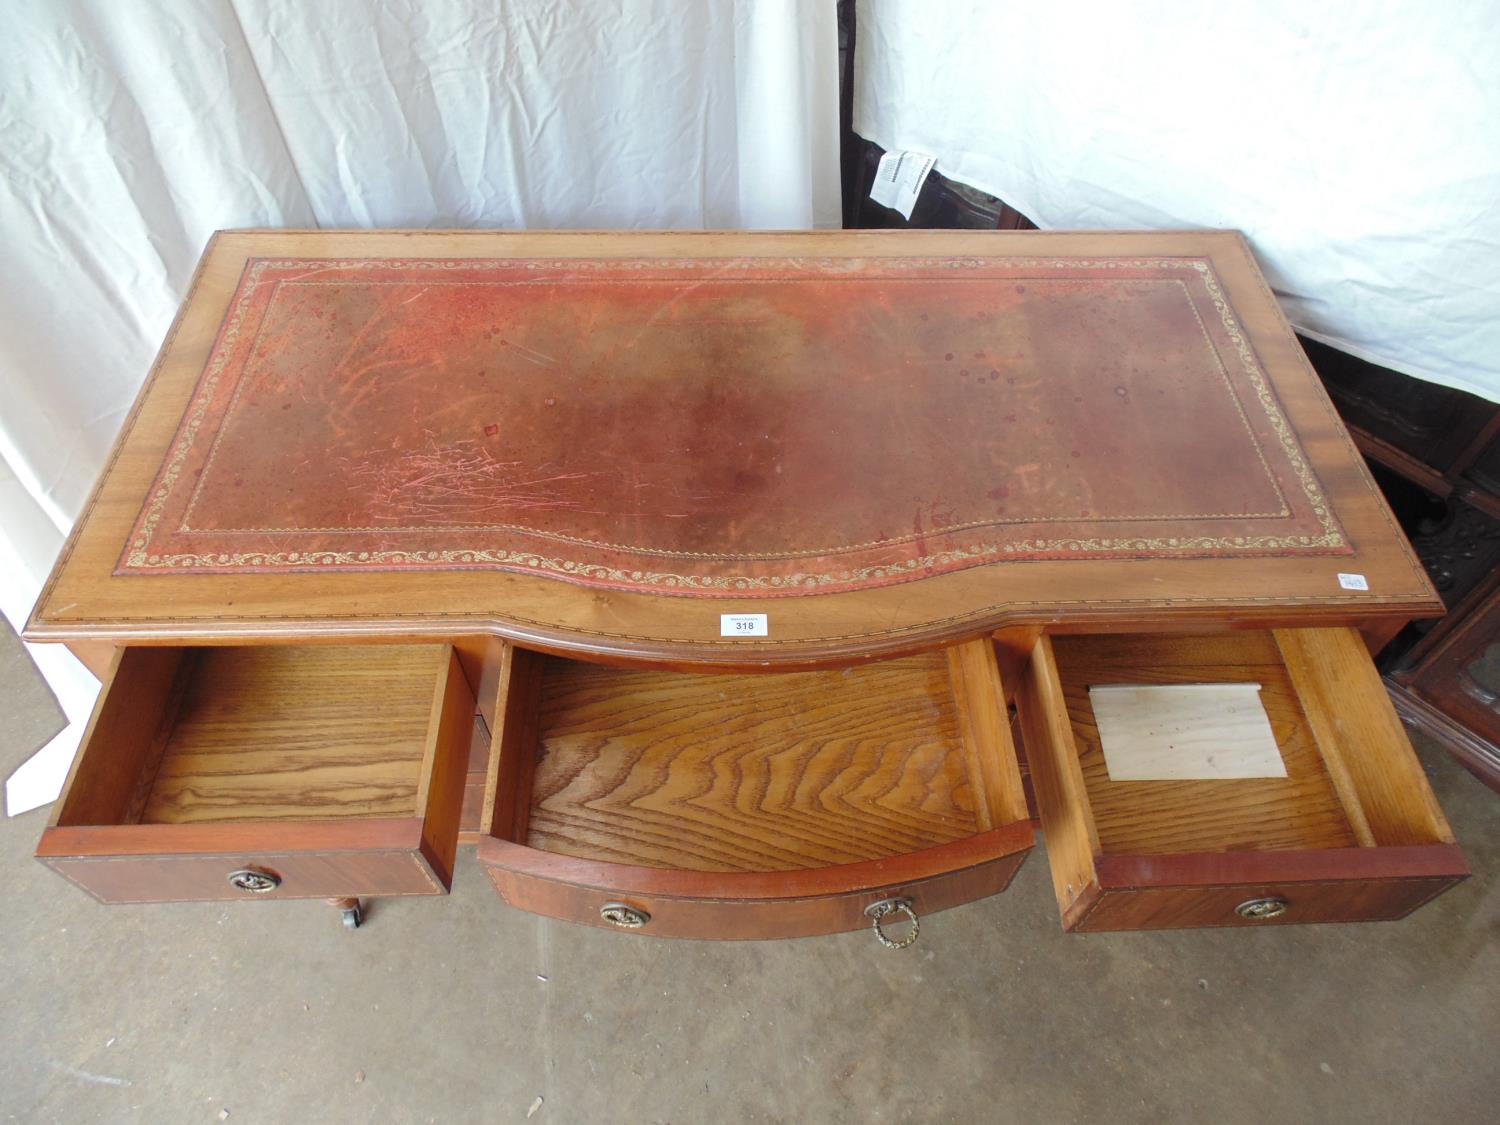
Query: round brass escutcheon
[625, 916]
[1259, 909]
[254, 880]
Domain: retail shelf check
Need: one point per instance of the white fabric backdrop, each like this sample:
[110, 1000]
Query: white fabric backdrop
[130, 132]
[1356, 142]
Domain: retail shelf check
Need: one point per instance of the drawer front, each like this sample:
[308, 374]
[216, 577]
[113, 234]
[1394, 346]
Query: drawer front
[1257, 904]
[747, 918]
[206, 878]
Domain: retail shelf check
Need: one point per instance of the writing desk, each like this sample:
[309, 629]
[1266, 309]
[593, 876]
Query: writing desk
[733, 585]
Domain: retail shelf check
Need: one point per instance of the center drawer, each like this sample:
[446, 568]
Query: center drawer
[1352, 831]
[739, 806]
[278, 771]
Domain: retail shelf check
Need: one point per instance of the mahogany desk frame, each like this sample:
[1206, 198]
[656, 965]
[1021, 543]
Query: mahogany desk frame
[996, 622]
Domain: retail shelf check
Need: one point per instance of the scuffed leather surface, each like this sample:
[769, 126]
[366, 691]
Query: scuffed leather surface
[727, 426]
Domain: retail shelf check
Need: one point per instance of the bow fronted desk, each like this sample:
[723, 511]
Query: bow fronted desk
[742, 585]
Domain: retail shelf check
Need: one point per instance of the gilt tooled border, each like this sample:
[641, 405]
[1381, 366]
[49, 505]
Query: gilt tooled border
[1330, 540]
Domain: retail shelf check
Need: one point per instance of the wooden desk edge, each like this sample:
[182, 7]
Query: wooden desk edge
[1377, 623]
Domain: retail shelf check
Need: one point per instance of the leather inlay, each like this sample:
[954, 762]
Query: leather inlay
[727, 426]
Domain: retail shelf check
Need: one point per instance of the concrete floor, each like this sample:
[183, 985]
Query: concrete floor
[461, 1009]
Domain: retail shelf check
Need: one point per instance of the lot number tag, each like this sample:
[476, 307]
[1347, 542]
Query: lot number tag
[743, 625]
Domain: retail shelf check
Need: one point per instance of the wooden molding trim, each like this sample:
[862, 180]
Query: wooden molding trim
[352, 835]
[1210, 869]
[1477, 755]
[626, 879]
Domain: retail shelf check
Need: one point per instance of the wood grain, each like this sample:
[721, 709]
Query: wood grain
[440, 787]
[296, 733]
[1302, 810]
[751, 806]
[1013, 653]
[96, 656]
[192, 862]
[513, 748]
[729, 910]
[637, 767]
[1361, 736]
[103, 786]
[984, 725]
[1345, 899]
[471, 814]
[1062, 797]
[1187, 853]
[306, 874]
[1332, 885]
[734, 773]
[342, 769]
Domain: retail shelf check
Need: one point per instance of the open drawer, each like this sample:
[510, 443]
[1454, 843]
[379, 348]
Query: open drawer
[1351, 833]
[751, 806]
[267, 772]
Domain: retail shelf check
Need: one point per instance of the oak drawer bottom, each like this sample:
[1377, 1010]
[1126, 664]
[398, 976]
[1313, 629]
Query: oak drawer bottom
[752, 806]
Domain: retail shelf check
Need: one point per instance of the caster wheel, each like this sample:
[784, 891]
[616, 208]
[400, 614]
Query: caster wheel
[352, 918]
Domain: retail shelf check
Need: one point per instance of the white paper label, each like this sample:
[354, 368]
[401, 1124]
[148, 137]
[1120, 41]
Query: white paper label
[1180, 732]
[743, 625]
[1353, 582]
[899, 180]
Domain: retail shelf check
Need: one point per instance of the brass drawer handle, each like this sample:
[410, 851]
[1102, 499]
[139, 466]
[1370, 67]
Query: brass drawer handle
[254, 880]
[1260, 909]
[625, 916]
[877, 912]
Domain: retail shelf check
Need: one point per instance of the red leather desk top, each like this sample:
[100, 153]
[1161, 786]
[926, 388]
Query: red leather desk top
[727, 426]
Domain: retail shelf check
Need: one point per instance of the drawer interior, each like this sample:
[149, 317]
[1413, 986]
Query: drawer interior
[753, 773]
[1349, 782]
[1301, 810]
[261, 734]
[1209, 835]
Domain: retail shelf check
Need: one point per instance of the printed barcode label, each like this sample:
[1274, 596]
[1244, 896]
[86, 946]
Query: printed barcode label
[1353, 582]
[899, 179]
[743, 625]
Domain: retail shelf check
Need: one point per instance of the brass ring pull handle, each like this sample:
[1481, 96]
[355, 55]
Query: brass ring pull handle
[1260, 909]
[877, 912]
[623, 915]
[254, 880]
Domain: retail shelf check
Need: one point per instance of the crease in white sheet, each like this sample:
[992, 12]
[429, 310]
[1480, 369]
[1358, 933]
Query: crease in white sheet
[1355, 142]
[130, 132]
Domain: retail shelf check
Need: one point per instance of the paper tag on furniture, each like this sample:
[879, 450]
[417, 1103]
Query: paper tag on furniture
[899, 180]
[1182, 732]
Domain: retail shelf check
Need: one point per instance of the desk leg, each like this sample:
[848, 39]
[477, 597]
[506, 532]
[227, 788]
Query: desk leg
[351, 911]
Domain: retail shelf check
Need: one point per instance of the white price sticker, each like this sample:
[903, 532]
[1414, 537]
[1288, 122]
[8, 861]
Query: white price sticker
[743, 625]
[899, 178]
[1353, 582]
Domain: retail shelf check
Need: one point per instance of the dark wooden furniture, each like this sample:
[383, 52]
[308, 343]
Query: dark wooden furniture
[1437, 455]
[694, 578]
